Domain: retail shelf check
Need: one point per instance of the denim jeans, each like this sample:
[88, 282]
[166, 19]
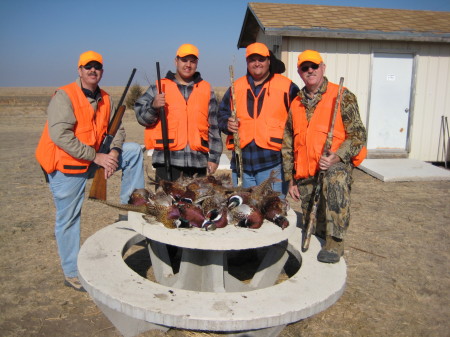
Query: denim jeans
[257, 177]
[68, 196]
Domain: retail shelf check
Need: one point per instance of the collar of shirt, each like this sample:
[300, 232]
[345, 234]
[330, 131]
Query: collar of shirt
[91, 94]
[311, 101]
[96, 95]
[197, 78]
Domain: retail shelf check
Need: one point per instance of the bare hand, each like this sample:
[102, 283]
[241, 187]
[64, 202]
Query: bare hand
[109, 161]
[159, 101]
[212, 167]
[293, 191]
[326, 162]
[233, 125]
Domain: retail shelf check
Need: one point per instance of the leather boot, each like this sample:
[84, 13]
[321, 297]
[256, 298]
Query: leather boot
[332, 250]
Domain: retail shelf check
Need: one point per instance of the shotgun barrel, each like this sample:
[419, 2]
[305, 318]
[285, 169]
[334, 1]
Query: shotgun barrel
[163, 118]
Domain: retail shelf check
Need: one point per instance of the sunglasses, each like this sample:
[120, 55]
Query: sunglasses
[96, 66]
[312, 66]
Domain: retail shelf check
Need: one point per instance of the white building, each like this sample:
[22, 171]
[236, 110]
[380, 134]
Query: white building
[397, 62]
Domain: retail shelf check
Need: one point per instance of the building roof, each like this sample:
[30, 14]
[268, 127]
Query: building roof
[343, 23]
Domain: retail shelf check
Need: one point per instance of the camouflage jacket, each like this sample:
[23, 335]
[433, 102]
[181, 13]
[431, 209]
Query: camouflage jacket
[354, 128]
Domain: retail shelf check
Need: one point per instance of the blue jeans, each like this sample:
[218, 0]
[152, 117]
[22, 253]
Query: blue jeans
[68, 195]
[257, 177]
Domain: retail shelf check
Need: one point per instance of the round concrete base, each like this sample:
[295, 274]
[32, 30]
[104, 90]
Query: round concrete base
[135, 304]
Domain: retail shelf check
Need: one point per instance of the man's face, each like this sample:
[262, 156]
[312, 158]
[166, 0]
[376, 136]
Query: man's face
[186, 67]
[90, 74]
[258, 66]
[311, 74]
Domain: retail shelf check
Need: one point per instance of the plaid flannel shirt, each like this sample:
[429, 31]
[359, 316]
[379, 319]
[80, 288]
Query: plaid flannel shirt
[148, 117]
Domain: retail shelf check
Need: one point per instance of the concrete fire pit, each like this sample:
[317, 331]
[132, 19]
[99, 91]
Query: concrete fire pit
[203, 295]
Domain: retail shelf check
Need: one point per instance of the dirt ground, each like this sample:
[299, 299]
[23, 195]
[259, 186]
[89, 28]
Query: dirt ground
[397, 248]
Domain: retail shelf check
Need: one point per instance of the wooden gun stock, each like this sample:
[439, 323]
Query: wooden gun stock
[98, 187]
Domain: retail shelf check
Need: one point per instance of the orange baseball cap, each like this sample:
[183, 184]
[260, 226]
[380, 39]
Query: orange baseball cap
[257, 48]
[89, 56]
[309, 55]
[187, 49]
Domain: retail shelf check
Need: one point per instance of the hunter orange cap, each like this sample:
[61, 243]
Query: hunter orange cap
[257, 48]
[89, 56]
[187, 49]
[309, 55]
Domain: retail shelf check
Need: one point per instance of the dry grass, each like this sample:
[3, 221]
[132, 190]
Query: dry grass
[13, 96]
[397, 255]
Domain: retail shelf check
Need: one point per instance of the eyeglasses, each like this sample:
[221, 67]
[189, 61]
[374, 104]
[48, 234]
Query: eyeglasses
[96, 66]
[312, 66]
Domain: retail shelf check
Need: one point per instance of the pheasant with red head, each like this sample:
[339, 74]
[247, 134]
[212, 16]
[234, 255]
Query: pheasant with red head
[275, 210]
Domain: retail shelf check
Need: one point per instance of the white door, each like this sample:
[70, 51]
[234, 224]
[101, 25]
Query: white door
[390, 99]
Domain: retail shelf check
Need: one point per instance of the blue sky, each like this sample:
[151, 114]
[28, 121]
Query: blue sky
[42, 40]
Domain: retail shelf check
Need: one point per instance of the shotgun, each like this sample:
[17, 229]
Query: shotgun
[163, 118]
[311, 227]
[236, 138]
[98, 187]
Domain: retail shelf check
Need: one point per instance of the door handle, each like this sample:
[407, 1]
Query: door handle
[406, 110]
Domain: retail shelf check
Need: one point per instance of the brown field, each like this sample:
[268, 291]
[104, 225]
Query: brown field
[397, 247]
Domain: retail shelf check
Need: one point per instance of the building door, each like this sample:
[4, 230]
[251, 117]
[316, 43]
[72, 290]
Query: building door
[390, 102]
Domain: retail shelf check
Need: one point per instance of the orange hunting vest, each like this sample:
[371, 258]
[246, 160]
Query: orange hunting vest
[89, 129]
[266, 128]
[309, 139]
[187, 122]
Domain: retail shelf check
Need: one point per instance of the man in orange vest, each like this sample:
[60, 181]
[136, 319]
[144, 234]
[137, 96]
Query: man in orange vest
[262, 103]
[191, 111]
[305, 135]
[78, 118]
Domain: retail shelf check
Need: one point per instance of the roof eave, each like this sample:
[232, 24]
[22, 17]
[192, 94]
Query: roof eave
[250, 28]
[358, 35]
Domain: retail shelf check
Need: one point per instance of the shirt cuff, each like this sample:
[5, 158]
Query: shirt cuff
[118, 149]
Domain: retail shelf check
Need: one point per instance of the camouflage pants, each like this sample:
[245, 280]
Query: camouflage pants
[333, 213]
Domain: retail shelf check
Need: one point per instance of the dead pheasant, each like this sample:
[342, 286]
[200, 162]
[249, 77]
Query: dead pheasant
[139, 196]
[191, 214]
[208, 202]
[275, 210]
[216, 218]
[172, 188]
[245, 216]
[216, 212]
[161, 211]
[262, 190]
